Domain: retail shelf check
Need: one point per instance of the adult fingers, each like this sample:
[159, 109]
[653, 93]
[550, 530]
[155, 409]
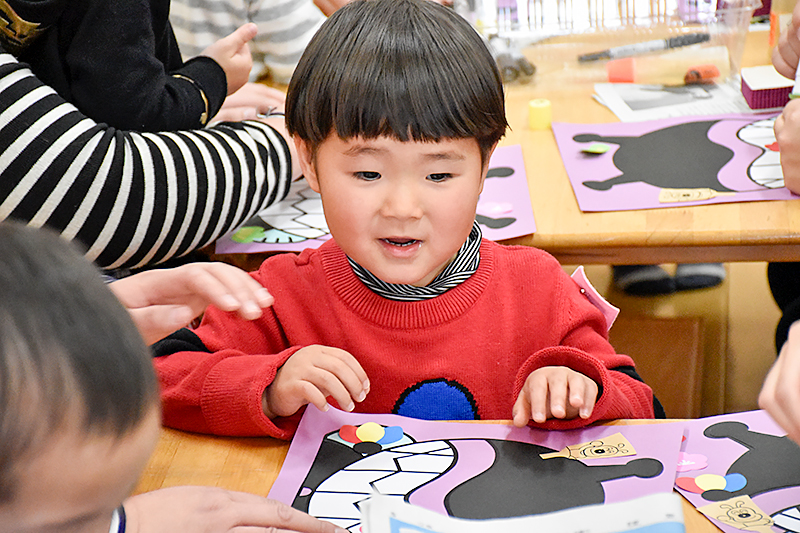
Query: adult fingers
[157, 321]
[787, 384]
[229, 288]
[242, 35]
[270, 513]
[256, 95]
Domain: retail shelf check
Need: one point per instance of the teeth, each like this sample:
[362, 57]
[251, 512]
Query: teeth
[401, 243]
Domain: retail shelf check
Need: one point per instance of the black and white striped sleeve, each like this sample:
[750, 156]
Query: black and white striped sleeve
[130, 198]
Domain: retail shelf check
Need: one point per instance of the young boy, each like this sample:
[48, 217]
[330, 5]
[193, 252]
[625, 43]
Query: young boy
[79, 412]
[118, 61]
[395, 108]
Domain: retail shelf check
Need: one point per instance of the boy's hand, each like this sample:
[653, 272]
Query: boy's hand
[311, 375]
[233, 55]
[554, 392]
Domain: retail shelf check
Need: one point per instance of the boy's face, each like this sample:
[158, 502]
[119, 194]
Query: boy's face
[75, 483]
[399, 209]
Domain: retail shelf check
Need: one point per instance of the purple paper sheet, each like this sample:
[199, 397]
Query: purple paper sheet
[769, 465]
[505, 204]
[655, 441]
[737, 153]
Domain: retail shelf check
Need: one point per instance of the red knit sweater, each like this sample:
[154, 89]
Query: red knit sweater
[474, 345]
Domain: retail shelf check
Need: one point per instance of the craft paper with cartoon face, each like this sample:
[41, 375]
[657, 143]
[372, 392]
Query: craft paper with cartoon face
[471, 477]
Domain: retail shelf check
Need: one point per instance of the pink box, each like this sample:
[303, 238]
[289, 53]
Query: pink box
[764, 88]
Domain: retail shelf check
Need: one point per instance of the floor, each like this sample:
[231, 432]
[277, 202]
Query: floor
[736, 322]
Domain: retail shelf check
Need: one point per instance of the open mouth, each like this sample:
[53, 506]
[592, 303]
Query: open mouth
[396, 241]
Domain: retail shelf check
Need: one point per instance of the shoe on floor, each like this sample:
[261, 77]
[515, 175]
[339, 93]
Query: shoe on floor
[643, 280]
[699, 276]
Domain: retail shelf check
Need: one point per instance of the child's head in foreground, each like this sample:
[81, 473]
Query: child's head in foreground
[396, 107]
[78, 397]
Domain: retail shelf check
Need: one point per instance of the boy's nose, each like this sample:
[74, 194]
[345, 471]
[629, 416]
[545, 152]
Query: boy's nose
[402, 202]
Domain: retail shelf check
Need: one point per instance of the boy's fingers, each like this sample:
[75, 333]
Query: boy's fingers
[313, 395]
[557, 386]
[329, 384]
[589, 399]
[355, 370]
[538, 395]
[521, 410]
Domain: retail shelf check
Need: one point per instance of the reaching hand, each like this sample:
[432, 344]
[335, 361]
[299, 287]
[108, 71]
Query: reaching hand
[233, 55]
[546, 393]
[311, 375]
[214, 510]
[780, 395]
[163, 300]
[251, 102]
[786, 53]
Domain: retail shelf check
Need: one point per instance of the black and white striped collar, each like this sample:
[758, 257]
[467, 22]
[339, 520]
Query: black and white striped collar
[459, 270]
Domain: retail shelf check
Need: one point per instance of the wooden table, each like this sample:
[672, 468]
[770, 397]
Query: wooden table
[252, 465]
[750, 231]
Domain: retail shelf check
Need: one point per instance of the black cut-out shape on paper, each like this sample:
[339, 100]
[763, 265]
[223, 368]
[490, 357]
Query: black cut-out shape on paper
[676, 157]
[520, 482]
[770, 463]
[495, 223]
[499, 172]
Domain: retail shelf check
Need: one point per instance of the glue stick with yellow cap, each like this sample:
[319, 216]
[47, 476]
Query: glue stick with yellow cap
[540, 114]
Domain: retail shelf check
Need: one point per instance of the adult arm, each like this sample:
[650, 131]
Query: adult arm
[131, 199]
[210, 509]
[124, 67]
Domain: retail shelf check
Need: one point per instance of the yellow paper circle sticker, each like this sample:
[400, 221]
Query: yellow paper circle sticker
[710, 482]
[370, 432]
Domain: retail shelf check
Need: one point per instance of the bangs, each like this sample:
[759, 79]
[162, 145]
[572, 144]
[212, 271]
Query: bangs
[411, 70]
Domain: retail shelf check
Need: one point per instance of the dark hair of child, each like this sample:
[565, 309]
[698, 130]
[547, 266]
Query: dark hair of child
[408, 69]
[69, 352]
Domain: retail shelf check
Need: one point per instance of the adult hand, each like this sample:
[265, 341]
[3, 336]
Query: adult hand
[214, 510]
[780, 395]
[786, 53]
[312, 374]
[251, 102]
[787, 133]
[163, 300]
[554, 392]
[233, 55]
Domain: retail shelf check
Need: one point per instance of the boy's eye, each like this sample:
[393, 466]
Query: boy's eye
[367, 176]
[439, 177]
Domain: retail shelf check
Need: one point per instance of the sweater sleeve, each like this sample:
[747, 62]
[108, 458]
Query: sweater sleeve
[128, 84]
[621, 395]
[131, 199]
[218, 386]
[584, 348]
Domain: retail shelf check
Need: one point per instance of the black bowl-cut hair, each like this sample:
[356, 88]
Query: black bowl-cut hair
[408, 69]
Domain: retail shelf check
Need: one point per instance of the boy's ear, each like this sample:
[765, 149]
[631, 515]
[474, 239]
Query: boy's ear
[486, 165]
[305, 157]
